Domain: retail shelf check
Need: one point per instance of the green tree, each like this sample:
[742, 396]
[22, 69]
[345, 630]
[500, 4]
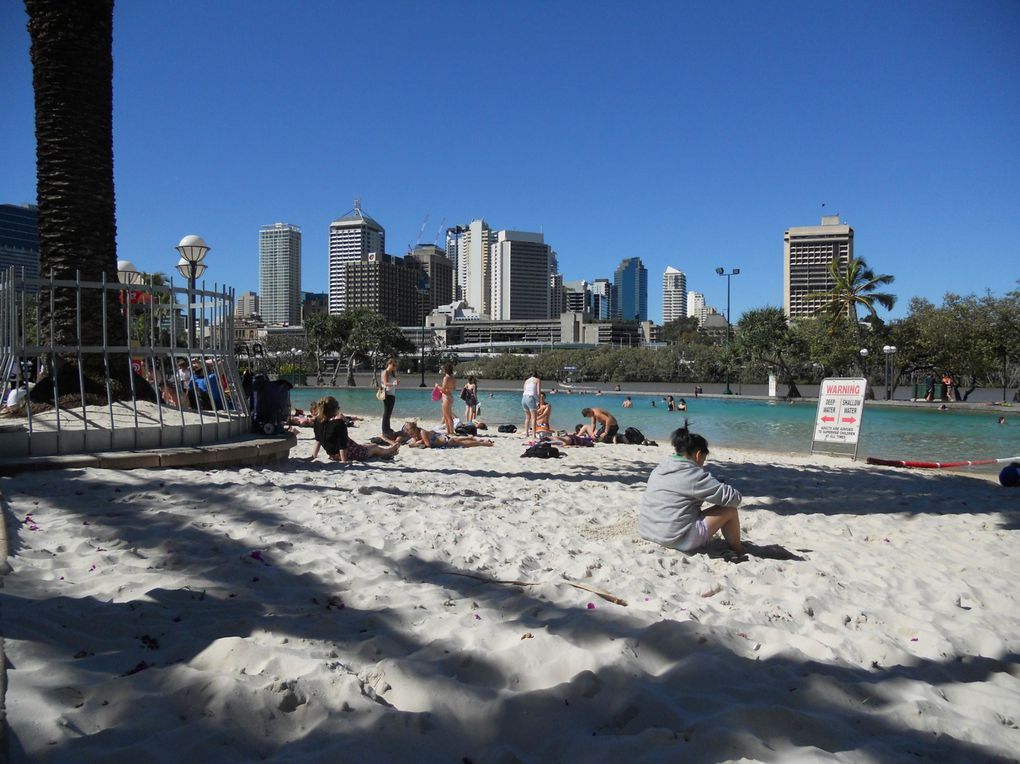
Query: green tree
[680, 330]
[764, 339]
[853, 288]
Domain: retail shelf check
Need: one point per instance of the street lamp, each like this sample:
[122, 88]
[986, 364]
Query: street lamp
[890, 351]
[722, 272]
[423, 290]
[192, 249]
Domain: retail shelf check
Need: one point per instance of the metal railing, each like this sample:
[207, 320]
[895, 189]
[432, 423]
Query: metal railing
[47, 322]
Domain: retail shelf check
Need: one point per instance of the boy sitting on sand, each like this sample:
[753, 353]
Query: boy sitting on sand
[671, 513]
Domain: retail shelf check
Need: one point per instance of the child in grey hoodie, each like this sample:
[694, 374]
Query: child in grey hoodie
[671, 512]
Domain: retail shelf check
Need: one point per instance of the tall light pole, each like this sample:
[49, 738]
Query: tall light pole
[192, 249]
[722, 272]
[890, 351]
[423, 290]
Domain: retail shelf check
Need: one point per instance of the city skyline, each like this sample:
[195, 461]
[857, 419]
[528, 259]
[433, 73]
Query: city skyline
[695, 144]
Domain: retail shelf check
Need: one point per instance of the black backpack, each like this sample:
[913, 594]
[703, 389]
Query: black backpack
[634, 436]
[466, 429]
[507, 428]
[543, 450]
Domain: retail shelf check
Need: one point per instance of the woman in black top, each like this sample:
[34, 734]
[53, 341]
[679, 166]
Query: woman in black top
[331, 435]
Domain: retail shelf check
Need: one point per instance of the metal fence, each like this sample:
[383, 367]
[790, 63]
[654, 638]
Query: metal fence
[174, 347]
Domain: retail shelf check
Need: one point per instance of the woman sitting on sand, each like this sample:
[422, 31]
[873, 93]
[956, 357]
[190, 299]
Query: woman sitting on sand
[419, 438]
[671, 513]
[542, 415]
[331, 435]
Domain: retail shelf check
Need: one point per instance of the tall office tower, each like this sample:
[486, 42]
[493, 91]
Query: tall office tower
[578, 296]
[386, 284]
[631, 290]
[247, 305]
[807, 252]
[557, 295]
[473, 255]
[674, 295]
[351, 237]
[520, 276]
[439, 269]
[603, 299]
[280, 273]
[454, 245]
[19, 238]
[696, 307]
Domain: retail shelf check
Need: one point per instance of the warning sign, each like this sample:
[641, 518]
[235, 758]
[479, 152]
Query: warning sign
[840, 409]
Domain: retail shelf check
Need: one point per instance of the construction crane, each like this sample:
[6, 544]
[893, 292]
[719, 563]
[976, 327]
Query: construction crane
[435, 242]
[421, 232]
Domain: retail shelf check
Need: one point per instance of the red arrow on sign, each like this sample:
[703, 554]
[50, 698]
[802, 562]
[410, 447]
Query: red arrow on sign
[828, 419]
[848, 420]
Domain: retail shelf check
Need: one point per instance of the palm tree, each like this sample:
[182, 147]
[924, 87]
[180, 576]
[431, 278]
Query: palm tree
[72, 77]
[852, 288]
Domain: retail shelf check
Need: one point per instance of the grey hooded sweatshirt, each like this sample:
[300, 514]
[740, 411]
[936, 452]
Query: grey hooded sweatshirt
[672, 500]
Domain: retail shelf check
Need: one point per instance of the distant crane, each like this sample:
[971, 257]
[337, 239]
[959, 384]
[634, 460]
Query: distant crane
[421, 232]
[435, 242]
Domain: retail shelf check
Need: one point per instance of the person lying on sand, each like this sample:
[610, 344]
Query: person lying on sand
[603, 426]
[419, 438]
[331, 435]
[671, 511]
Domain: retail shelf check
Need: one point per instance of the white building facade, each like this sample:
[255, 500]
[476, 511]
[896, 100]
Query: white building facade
[674, 295]
[807, 253]
[351, 238]
[280, 273]
[520, 276]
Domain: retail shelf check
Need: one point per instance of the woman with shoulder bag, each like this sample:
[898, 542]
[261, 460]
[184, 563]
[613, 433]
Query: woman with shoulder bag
[388, 387]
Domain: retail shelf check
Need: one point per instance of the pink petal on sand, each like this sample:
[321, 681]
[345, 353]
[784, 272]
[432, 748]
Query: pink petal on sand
[591, 605]
[913, 639]
[477, 617]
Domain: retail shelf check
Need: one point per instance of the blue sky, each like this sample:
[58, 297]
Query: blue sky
[688, 134]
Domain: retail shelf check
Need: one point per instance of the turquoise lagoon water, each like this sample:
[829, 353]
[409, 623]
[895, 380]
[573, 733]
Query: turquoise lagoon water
[887, 432]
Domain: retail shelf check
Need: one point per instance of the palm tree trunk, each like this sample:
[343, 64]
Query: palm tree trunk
[72, 77]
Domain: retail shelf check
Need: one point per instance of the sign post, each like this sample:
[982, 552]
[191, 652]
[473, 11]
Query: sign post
[838, 419]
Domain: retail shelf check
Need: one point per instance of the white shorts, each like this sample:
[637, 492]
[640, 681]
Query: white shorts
[696, 537]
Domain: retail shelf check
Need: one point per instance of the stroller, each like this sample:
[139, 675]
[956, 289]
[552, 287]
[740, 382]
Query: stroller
[269, 404]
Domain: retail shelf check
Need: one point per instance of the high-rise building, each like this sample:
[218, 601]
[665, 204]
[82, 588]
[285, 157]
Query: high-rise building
[454, 250]
[557, 294]
[247, 306]
[631, 290]
[696, 306]
[19, 238]
[473, 256]
[280, 273]
[437, 266]
[578, 296]
[351, 238]
[807, 253]
[520, 276]
[387, 285]
[674, 295]
[603, 299]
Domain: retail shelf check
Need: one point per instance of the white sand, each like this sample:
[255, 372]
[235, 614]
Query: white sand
[355, 638]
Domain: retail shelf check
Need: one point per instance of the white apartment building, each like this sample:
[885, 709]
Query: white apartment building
[470, 248]
[280, 273]
[807, 253]
[696, 307]
[351, 237]
[674, 295]
[520, 269]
